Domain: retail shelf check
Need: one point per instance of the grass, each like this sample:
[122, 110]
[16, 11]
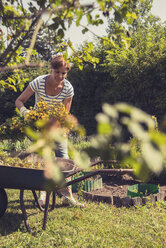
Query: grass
[98, 225]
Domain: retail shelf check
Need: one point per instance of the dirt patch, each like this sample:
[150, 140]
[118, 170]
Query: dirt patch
[117, 185]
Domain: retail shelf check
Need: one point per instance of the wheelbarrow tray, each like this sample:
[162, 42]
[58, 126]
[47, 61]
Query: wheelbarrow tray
[30, 179]
[22, 178]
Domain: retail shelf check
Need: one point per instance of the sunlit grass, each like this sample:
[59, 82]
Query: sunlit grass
[98, 225]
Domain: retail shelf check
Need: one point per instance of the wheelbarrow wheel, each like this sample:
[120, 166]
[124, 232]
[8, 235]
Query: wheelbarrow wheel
[3, 202]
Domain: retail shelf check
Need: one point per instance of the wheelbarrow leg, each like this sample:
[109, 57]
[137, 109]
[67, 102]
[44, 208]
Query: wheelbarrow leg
[24, 210]
[53, 200]
[3, 202]
[46, 210]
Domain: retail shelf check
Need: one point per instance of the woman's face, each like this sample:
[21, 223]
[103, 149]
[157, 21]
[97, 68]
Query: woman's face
[59, 74]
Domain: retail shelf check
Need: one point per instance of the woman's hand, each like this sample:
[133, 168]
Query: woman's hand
[24, 110]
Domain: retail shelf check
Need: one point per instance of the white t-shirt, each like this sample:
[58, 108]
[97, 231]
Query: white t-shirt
[38, 85]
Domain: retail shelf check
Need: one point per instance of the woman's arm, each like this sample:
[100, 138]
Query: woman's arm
[25, 95]
[67, 102]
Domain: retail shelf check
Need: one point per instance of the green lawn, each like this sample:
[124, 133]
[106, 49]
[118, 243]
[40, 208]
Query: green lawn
[98, 225]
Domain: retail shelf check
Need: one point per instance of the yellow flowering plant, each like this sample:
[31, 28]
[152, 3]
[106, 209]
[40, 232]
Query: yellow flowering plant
[38, 118]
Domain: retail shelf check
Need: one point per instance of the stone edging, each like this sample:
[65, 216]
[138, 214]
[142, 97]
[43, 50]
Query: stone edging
[125, 201]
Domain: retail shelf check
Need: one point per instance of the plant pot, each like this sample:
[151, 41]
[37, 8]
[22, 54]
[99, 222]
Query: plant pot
[88, 185]
[140, 190]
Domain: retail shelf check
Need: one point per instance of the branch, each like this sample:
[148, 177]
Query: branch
[19, 43]
[10, 17]
[25, 65]
[98, 36]
[4, 54]
[22, 7]
[39, 24]
[3, 14]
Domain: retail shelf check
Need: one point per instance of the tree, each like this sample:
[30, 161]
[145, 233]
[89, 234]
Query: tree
[130, 69]
[138, 71]
[21, 22]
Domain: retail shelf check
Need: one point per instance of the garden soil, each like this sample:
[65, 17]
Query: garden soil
[117, 185]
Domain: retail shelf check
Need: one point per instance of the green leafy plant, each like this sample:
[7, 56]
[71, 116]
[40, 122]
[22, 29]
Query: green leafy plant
[7, 160]
[116, 125]
[16, 145]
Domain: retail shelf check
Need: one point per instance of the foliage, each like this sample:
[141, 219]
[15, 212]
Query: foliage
[8, 96]
[45, 144]
[21, 22]
[85, 55]
[44, 46]
[16, 79]
[138, 71]
[90, 86]
[7, 160]
[15, 145]
[116, 125]
[79, 142]
[131, 69]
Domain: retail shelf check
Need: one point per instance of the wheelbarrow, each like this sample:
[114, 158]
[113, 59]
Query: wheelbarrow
[34, 180]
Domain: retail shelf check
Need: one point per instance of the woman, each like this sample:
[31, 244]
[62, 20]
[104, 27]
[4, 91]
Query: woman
[49, 87]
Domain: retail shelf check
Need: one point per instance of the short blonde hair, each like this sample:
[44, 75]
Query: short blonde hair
[58, 61]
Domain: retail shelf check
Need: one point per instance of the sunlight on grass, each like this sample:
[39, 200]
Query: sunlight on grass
[98, 225]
